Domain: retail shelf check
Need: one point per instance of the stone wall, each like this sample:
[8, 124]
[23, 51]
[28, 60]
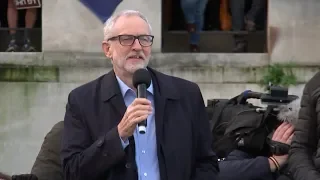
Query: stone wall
[294, 31]
[68, 26]
[293, 35]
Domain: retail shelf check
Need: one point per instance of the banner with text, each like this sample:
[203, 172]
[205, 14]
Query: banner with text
[27, 4]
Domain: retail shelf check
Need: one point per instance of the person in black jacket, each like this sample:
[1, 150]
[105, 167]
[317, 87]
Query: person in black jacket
[304, 160]
[101, 138]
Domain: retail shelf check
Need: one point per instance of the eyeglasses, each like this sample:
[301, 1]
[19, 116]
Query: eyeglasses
[128, 40]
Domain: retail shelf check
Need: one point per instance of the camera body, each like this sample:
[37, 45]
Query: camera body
[277, 96]
[237, 124]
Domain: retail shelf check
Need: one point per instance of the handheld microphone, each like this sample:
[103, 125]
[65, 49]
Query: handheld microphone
[141, 81]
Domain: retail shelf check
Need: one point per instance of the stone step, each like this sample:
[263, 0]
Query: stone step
[171, 60]
[35, 36]
[213, 41]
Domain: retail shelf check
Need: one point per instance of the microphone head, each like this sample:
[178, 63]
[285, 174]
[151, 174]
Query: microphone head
[290, 112]
[141, 76]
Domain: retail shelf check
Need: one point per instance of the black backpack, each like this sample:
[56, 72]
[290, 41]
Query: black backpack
[237, 124]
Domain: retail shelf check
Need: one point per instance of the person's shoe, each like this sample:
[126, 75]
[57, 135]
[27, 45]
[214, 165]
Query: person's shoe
[194, 48]
[12, 47]
[28, 48]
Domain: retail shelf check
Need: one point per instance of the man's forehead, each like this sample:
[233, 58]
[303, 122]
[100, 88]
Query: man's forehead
[130, 22]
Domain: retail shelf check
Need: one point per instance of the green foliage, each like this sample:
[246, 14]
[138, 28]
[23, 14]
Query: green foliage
[280, 75]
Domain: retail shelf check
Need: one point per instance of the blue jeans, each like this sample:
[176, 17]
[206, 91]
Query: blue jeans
[194, 14]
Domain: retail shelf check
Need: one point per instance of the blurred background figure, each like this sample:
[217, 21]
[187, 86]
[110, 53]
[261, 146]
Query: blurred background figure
[244, 20]
[30, 19]
[194, 16]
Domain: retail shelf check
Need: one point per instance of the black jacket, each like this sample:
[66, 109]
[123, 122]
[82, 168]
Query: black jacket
[304, 159]
[91, 147]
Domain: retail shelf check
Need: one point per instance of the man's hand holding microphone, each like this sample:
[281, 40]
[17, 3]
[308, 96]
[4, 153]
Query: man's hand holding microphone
[139, 110]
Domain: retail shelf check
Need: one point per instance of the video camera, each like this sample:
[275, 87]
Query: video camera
[238, 124]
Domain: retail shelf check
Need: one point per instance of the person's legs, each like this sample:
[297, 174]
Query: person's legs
[199, 21]
[189, 9]
[237, 8]
[30, 19]
[256, 8]
[12, 16]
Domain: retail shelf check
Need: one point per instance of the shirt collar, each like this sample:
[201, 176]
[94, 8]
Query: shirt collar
[124, 88]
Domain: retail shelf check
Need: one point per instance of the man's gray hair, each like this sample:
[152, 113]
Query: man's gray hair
[108, 25]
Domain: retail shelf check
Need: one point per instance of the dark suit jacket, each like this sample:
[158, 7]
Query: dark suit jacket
[91, 147]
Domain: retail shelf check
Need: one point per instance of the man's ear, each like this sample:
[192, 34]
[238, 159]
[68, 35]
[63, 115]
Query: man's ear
[106, 49]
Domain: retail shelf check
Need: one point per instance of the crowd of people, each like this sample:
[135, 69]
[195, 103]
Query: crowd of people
[244, 17]
[99, 139]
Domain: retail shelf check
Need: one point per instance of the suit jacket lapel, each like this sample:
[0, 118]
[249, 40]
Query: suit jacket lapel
[164, 90]
[110, 93]
[160, 103]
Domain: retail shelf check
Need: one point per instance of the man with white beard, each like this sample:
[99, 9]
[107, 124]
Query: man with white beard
[101, 139]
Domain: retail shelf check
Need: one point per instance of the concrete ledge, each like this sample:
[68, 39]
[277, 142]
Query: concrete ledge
[29, 74]
[172, 60]
[204, 75]
[83, 67]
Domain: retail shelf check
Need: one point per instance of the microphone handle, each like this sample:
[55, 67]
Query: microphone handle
[142, 93]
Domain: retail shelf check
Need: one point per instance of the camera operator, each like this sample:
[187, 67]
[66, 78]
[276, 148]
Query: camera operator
[250, 167]
[253, 142]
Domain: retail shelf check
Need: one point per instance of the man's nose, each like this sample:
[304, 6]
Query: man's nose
[136, 44]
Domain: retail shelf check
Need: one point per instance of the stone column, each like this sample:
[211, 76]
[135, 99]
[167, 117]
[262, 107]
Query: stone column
[293, 34]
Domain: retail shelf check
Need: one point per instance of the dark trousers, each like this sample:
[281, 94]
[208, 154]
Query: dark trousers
[239, 11]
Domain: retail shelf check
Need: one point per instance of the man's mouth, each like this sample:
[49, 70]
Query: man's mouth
[136, 57]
